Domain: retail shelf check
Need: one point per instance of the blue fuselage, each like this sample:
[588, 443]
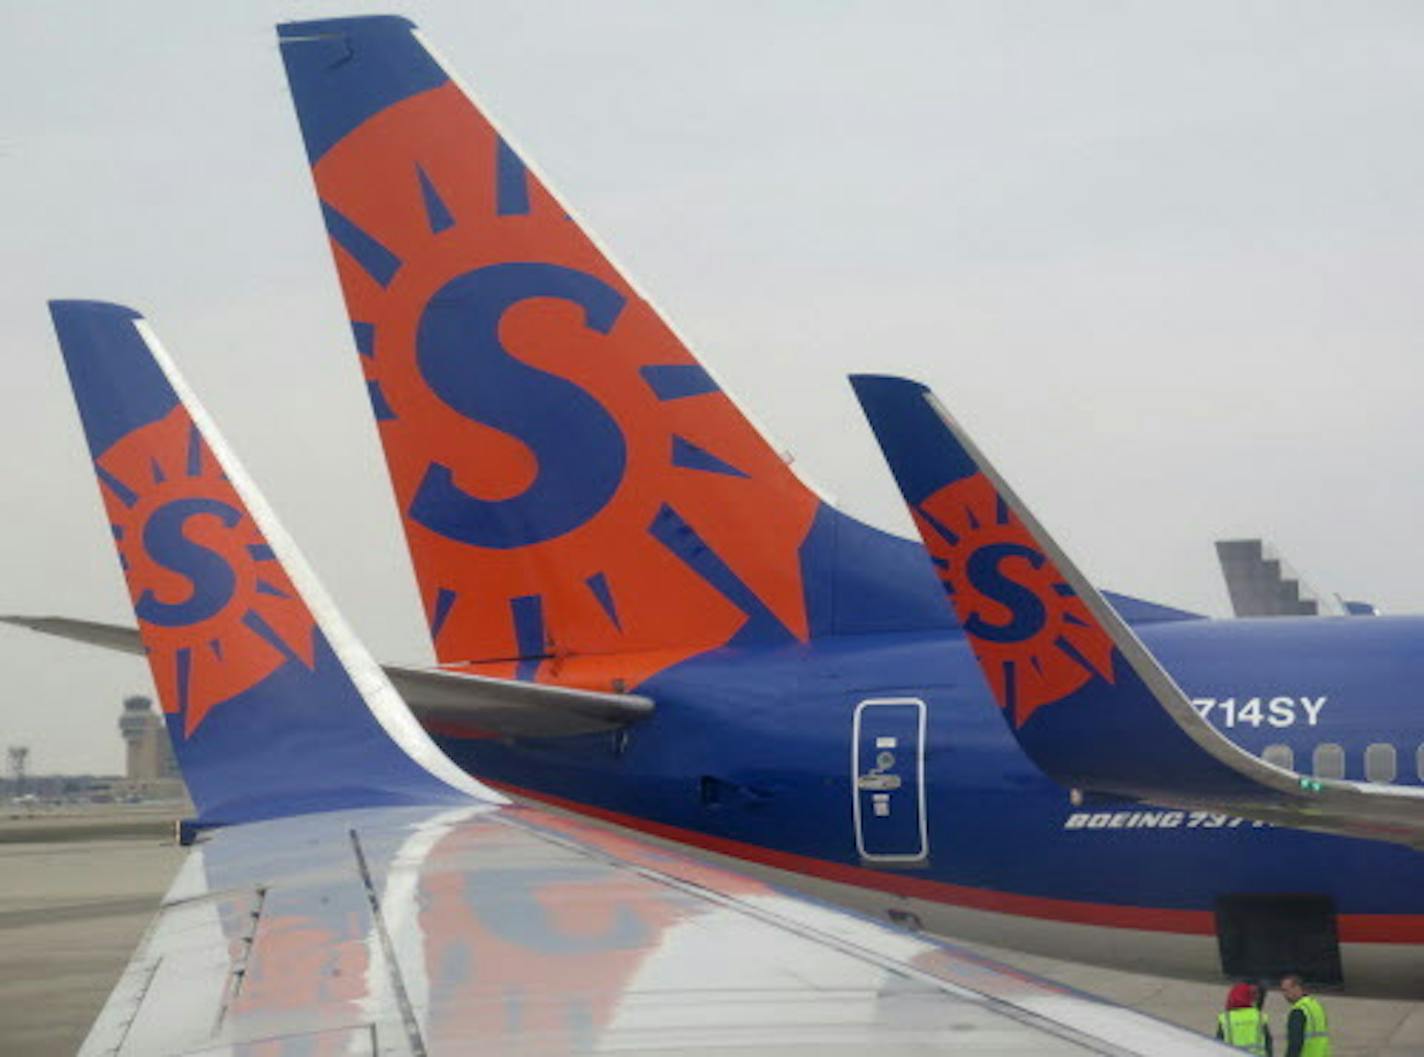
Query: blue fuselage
[757, 752]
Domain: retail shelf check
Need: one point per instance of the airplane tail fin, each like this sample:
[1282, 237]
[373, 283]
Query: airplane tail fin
[1084, 697]
[571, 480]
[1087, 701]
[1064, 668]
[273, 706]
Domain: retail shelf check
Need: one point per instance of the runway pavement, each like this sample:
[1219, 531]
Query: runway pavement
[76, 894]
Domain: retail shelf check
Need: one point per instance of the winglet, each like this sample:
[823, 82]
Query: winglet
[273, 705]
[1086, 700]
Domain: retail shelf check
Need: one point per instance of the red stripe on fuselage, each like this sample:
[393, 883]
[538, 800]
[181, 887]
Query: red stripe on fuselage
[1352, 928]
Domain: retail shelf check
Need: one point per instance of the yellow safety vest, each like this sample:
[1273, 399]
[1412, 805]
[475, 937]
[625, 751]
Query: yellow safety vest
[1317, 1028]
[1244, 1028]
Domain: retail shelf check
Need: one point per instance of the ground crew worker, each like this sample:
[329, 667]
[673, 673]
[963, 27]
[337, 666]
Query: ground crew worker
[1243, 1025]
[1307, 1030]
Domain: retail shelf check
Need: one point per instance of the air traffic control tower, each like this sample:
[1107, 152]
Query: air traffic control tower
[150, 755]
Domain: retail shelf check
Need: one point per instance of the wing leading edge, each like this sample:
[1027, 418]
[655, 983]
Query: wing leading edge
[1087, 701]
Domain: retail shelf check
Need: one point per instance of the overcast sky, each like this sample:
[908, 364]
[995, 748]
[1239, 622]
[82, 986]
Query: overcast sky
[1163, 260]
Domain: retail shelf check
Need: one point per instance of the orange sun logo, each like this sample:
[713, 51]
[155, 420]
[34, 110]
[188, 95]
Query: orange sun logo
[572, 483]
[1035, 639]
[217, 614]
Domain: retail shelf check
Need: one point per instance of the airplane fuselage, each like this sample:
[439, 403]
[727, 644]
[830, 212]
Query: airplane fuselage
[875, 770]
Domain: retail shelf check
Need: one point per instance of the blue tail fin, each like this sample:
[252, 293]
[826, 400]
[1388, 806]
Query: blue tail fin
[273, 706]
[1086, 700]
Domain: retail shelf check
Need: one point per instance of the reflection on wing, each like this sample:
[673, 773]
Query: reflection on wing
[509, 931]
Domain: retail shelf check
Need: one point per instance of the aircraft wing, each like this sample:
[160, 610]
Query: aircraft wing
[1262, 584]
[351, 891]
[511, 931]
[506, 707]
[1087, 701]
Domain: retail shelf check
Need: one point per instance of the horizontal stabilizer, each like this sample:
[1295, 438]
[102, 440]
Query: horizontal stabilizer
[1086, 700]
[512, 708]
[273, 706]
[121, 638]
[505, 707]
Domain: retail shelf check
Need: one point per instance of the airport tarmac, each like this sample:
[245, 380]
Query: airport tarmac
[79, 889]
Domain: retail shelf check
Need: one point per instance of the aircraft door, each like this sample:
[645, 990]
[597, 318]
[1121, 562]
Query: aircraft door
[888, 763]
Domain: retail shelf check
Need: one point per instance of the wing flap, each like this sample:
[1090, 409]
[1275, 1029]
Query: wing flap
[505, 707]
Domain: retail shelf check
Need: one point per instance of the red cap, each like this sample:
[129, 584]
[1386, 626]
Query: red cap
[1242, 996]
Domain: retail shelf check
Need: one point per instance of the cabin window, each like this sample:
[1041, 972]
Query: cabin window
[1280, 755]
[1380, 763]
[1329, 761]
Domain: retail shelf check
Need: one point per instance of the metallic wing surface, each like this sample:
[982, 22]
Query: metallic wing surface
[1087, 701]
[349, 891]
[509, 931]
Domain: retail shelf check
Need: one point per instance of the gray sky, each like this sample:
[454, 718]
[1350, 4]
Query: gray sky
[1163, 260]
